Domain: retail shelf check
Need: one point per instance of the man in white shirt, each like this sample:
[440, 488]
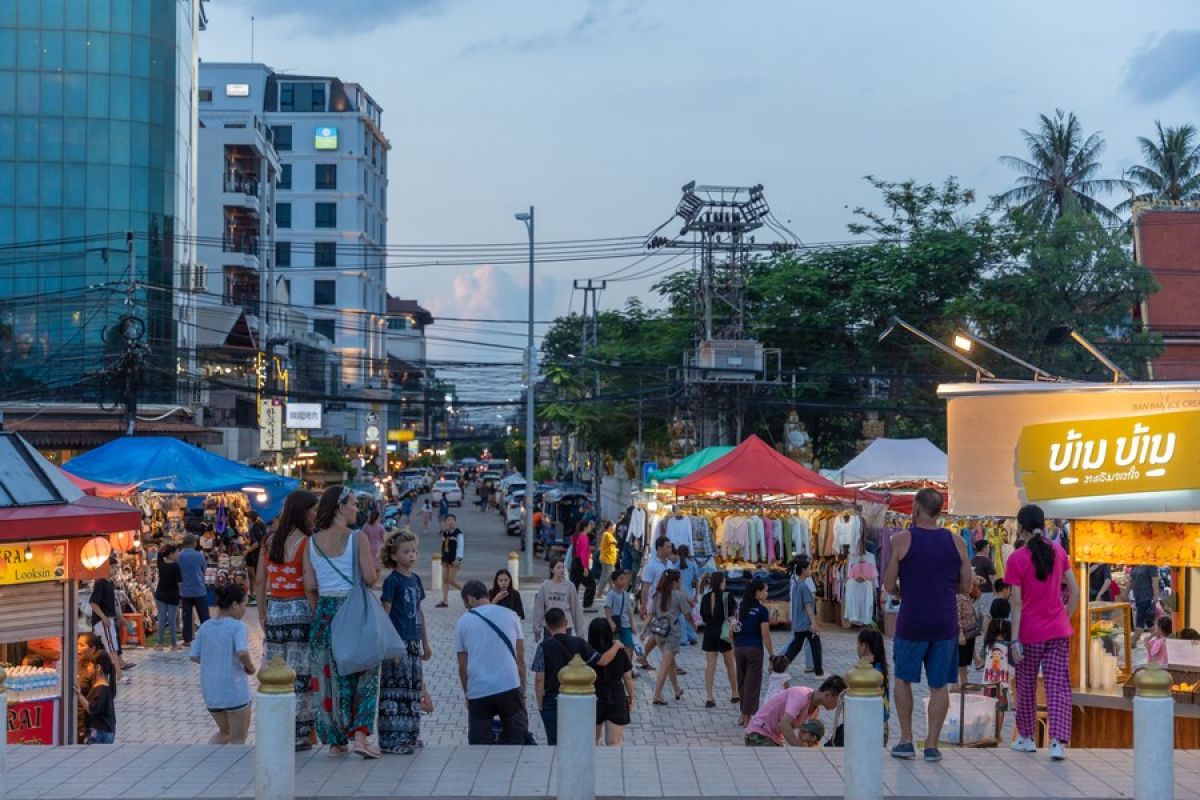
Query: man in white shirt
[491, 667]
[651, 574]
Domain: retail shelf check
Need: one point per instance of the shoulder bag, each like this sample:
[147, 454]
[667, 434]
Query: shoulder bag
[363, 636]
[726, 631]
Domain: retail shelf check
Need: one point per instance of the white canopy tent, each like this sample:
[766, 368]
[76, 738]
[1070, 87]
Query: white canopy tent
[895, 461]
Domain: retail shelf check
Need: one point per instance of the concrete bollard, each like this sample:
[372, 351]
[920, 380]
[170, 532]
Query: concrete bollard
[437, 572]
[514, 569]
[863, 706]
[576, 751]
[275, 732]
[1153, 735]
[4, 738]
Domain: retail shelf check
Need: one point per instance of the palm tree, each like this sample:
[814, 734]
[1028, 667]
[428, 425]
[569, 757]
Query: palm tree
[1061, 172]
[1172, 165]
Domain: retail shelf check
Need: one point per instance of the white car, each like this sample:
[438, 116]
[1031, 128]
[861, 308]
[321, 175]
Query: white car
[449, 490]
[514, 513]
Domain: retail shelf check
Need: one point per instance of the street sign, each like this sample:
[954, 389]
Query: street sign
[305, 416]
[270, 431]
[648, 467]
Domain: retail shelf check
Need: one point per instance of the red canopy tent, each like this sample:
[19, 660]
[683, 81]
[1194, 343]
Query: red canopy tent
[755, 468]
[97, 489]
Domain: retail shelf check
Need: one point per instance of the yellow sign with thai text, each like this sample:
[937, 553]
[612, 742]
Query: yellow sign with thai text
[1101, 457]
[49, 562]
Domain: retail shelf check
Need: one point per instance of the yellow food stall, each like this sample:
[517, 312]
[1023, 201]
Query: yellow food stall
[1121, 462]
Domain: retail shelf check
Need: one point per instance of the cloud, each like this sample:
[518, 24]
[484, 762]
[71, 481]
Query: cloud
[362, 16]
[599, 18]
[1165, 66]
[488, 292]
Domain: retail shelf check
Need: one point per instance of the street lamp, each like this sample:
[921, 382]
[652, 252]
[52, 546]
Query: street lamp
[1061, 333]
[896, 322]
[965, 341]
[530, 429]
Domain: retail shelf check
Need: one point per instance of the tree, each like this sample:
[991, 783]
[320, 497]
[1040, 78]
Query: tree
[1171, 168]
[1061, 173]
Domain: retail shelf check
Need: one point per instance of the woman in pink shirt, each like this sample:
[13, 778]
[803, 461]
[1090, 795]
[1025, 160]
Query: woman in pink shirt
[374, 531]
[581, 562]
[786, 716]
[1041, 626]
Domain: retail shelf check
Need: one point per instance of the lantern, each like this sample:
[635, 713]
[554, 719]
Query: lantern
[121, 542]
[95, 553]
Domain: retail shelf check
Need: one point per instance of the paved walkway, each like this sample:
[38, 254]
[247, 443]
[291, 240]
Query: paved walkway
[126, 772]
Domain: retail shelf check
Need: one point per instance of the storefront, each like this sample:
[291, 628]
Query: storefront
[52, 536]
[1121, 462]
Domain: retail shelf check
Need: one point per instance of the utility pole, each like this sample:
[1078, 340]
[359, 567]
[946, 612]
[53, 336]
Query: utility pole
[530, 416]
[126, 376]
[591, 339]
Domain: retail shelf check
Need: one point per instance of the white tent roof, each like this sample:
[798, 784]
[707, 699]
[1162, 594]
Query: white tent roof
[894, 460]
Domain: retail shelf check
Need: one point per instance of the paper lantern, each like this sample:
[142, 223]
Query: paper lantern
[95, 553]
[121, 542]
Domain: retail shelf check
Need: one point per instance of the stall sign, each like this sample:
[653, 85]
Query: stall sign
[1120, 455]
[1123, 542]
[270, 432]
[402, 435]
[49, 563]
[304, 416]
[31, 722]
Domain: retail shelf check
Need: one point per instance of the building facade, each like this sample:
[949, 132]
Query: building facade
[97, 129]
[330, 224]
[1167, 243]
[409, 374]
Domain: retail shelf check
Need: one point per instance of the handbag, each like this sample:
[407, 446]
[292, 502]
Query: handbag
[661, 626]
[362, 636]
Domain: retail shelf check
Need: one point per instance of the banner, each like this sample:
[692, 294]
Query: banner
[270, 431]
[49, 562]
[32, 722]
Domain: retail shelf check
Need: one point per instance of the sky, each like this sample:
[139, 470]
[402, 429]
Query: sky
[598, 111]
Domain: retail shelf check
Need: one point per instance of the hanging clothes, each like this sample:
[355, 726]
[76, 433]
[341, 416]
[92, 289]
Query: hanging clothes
[862, 580]
[847, 529]
[679, 530]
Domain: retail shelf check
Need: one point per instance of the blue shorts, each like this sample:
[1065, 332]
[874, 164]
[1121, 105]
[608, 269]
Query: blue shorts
[625, 636]
[940, 658]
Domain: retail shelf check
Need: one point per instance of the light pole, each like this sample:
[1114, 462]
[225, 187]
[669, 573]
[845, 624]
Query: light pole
[530, 431]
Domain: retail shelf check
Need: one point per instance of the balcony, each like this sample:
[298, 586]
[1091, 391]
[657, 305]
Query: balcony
[240, 180]
[241, 288]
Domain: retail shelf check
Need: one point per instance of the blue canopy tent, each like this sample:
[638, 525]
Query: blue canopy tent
[170, 466]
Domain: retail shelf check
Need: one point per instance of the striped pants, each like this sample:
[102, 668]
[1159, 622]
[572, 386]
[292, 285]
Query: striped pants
[1052, 658]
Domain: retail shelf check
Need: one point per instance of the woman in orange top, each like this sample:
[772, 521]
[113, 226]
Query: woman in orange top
[284, 612]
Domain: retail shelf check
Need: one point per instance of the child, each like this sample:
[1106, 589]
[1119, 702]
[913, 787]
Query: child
[1156, 645]
[222, 649]
[779, 678]
[618, 610]
[997, 674]
[402, 693]
[100, 715]
[871, 647]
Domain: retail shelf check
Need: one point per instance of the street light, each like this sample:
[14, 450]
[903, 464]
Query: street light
[965, 341]
[1061, 333]
[530, 432]
[896, 322]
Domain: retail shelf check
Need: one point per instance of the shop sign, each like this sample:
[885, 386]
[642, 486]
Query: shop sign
[1100, 457]
[325, 139]
[270, 431]
[31, 722]
[403, 435]
[49, 563]
[304, 416]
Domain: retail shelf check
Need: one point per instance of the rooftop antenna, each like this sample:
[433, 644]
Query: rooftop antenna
[251, 38]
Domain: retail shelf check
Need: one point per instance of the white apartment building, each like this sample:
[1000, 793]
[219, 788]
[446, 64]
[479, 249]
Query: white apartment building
[330, 223]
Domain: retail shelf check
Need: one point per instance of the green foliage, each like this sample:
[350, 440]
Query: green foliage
[330, 457]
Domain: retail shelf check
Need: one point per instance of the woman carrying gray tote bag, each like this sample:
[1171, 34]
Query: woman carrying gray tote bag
[333, 573]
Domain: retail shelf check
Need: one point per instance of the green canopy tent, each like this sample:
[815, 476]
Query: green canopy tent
[686, 466]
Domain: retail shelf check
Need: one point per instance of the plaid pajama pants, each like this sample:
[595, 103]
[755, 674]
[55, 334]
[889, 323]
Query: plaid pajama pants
[1052, 658]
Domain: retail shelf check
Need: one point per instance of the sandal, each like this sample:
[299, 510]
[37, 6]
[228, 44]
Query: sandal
[679, 695]
[658, 702]
[442, 605]
[710, 704]
[735, 700]
[366, 751]
[338, 750]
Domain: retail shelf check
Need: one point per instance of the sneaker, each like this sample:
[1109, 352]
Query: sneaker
[904, 750]
[1024, 744]
[933, 755]
[1056, 750]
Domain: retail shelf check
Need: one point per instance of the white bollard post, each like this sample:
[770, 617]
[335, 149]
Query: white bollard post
[576, 751]
[863, 704]
[4, 738]
[275, 733]
[437, 572]
[1153, 735]
[514, 569]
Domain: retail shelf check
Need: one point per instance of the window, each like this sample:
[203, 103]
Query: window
[297, 96]
[283, 254]
[326, 176]
[398, 323]
[206, 95]
[283, 215]
[325, 293]
[325, 327]
[285, 177]
[283, 137]
[326, 215]
[325, 254]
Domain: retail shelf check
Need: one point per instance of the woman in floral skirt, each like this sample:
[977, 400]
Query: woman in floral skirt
[402, 693]
[345, 703]
[283, 611]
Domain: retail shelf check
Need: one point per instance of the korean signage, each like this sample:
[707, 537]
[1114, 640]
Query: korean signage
[325, 139]
[304, 416]
[270, 429]
[49, 562]
[32, 722]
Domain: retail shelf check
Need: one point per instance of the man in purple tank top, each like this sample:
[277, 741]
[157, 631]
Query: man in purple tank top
[927, 569]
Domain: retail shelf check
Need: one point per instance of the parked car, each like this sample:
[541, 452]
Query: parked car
[514, 513]
[448, 489]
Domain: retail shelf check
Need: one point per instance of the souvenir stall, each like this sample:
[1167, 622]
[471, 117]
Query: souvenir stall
[52, 536]
[755, 510]
[1119, 464]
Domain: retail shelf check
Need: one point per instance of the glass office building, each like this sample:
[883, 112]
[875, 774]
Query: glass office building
[97, 117]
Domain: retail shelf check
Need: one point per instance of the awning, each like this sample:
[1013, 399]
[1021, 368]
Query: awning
[87, 516]
[96, 489]
[223, 326]
[894, 461]
[686, 466]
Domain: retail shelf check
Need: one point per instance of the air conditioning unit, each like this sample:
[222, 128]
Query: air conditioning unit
[199, 278]
[730, 360]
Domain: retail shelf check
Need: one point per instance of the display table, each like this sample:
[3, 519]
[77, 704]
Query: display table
[1104, 719]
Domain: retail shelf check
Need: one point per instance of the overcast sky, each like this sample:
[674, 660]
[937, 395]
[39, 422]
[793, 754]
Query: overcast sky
[597, 111]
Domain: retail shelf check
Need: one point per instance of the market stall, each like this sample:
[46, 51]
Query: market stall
[689, 464]
[52, 537]
[1121, 462]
